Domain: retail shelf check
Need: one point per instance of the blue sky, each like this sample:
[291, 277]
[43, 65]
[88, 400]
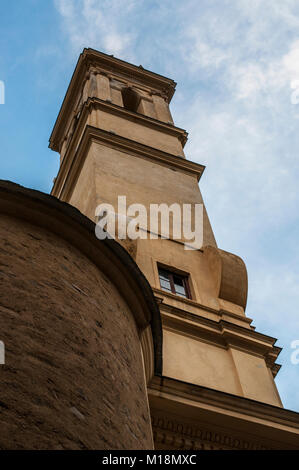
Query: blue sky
[236, 63]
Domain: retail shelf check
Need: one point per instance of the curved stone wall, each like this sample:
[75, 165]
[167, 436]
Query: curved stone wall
[73, 376]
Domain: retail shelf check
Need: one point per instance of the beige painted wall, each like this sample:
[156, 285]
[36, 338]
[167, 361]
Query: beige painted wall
[256, 382]
[230, 370]
[191, 360]
[136, 130]
[116, 173]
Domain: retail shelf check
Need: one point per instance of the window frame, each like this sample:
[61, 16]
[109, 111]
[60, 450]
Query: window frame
[182, 276]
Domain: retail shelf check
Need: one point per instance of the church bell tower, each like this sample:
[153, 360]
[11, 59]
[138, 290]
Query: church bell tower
[213, 386]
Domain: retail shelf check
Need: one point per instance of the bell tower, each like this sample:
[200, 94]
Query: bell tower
[215, 383]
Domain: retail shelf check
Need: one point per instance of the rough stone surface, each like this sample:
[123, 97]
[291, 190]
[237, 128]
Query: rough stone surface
[73, 377]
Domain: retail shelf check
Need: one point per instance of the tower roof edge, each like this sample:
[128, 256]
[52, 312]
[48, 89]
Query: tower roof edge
[107, 64]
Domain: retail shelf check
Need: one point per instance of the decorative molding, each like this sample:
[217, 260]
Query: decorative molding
[114, 68]
[192, 302]
[188, 416]
[147, 121]
[147, 347]
[193, 395]
[179, 435]
[222, 333]
[91, 102]
[132, 73]
[74, 159]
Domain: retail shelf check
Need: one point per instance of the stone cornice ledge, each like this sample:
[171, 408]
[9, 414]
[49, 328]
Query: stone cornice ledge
[148, 121]
[181, 311]
[164, 387]
[111, 64]
[90, 57]
[73, 160]
[223, 333]
[180, 435]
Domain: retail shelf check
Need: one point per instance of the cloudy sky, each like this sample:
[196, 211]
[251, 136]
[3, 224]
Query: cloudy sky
[236, 63]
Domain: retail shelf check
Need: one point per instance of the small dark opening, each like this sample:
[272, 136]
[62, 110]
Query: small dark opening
[130, 99]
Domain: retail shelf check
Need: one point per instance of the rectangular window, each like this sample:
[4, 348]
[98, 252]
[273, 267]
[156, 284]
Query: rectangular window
[175, 283]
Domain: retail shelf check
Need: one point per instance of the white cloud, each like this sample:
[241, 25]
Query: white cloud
[247, 44]
[95, 23]
[204, 55]
[290, 61]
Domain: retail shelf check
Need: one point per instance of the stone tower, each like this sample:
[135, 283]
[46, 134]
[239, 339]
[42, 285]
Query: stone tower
[213, 385]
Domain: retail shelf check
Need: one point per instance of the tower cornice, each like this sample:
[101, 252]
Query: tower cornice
[92, 61]
[222, 333]
[74, 159]
[196, 417]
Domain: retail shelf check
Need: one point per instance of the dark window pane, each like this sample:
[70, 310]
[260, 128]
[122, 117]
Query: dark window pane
[179, 286]
[163, 274]
[164, 280]
[178, 280]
